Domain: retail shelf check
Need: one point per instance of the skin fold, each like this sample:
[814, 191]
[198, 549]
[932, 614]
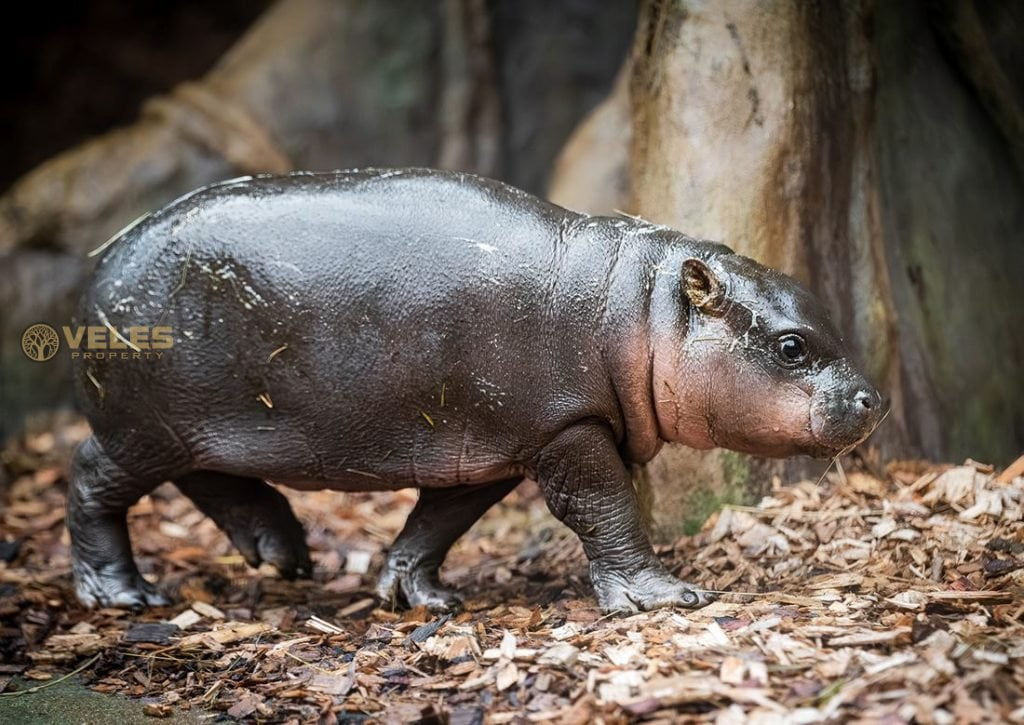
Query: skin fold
[381, 329]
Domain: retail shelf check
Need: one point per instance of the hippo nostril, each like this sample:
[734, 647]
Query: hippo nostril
[866, 400]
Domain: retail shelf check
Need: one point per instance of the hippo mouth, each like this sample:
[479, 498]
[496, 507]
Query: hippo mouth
[827, 446]
[824, 448]
[822, 451]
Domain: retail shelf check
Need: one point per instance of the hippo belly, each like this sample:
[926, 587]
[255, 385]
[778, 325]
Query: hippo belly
[340, 338]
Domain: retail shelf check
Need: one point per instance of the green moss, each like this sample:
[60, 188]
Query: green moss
[72, 703]
[734, 488]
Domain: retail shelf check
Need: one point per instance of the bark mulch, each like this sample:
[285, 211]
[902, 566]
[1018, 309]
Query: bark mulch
[885, 598]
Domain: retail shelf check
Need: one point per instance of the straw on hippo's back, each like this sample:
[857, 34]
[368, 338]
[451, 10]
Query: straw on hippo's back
[384, 329]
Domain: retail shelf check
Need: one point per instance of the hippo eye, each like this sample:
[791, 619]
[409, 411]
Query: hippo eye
[791, 349]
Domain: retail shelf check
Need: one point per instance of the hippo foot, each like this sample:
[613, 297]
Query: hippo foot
[256, 517]
[115, 588]
[281, 546]
[417, 588]
[649, 589]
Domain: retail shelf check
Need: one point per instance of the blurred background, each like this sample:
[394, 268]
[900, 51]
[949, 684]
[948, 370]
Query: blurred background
[873, 150]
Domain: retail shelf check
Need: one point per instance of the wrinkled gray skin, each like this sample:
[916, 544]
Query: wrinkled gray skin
[374, 330]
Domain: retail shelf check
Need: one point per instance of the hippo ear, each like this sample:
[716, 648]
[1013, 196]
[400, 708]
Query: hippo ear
[702, 287]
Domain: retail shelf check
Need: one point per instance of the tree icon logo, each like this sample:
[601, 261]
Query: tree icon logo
[40, 342]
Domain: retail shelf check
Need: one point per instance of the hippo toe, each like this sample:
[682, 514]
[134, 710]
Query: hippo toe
[650, 589]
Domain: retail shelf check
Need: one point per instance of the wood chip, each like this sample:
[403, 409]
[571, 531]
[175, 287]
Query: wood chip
[862, 639]
[186, 619]
[207, 610]
[860, 597]
[226, 634]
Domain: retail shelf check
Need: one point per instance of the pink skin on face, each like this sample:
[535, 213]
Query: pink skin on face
[707, 396]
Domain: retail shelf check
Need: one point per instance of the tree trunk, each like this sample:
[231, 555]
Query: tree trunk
[845, 144]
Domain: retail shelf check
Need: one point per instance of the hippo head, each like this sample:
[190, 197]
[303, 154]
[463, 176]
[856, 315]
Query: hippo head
[760, 369]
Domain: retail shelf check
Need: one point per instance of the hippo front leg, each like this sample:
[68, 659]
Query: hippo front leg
[440, 517]
[587, 487]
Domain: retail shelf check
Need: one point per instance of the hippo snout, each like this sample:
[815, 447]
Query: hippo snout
[846, 415]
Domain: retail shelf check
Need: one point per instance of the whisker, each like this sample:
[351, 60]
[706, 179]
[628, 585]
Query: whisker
[839, 466]
[829, 469]
[882, 419]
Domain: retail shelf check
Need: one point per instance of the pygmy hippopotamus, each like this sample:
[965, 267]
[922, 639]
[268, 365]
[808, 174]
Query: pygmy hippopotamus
[381, 329]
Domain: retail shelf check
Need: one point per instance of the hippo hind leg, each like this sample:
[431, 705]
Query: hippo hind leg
[256, 517]
[99, 495]
[440, 517]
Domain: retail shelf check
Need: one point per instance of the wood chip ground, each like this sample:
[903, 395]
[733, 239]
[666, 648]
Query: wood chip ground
[893, 597]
